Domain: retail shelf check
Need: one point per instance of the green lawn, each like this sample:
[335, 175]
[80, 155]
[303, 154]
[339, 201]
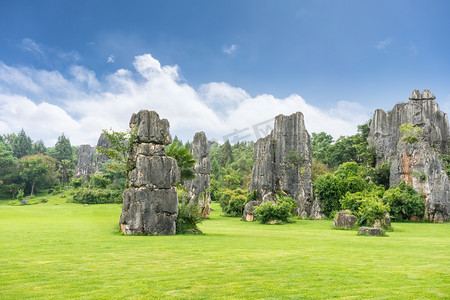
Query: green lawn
[62, 250]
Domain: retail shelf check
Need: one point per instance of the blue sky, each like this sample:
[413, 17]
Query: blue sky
[80, 66]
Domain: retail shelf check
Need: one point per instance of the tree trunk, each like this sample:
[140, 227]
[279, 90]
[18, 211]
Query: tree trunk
[32, 189]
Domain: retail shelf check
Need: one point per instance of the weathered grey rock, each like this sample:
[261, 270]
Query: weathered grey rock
[248, 214]
[103, 142]
[151, 129]
[374, 231]
[415, 95]
[420, 166]
[384, 131]
[344, 219]
[85, 165]
[150, 204]
[24, 202]
[199, 187]
[283, 163]
[427, 95]
[384, 223]
[418, 158]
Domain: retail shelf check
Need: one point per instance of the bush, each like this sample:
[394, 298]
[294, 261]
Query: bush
[233, 202]
[99, 181]
[76, 182]
[189, 216]
[371, 209]
[97, 196]
[280, 210]
[411, 134]
[404, 202]
[329, 188]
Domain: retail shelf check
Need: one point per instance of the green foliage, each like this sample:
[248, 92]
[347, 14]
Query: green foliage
[353, 148]
[371, 209]
[9, 170]
[97, 196]
[76, 182]
[99, 181]
[121, 145]
[20, 194]
[404, 202]
[39, 147]
[189, 215]
[411, 134]
[63, 149]
[37, 171]
[226, 155]
[21, 144]
[233, 202]
[317, 169]
[320, 143]
[185, 161]
[293, 158]
[329, 188]
[275, 211]
[380, 175]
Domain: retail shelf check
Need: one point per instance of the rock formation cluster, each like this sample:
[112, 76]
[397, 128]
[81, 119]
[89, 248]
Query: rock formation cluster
[199, 187]
[283, 163]
[418, 163]
[150, 204]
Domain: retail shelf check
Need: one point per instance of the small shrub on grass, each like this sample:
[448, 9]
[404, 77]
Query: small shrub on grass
[370, 210]
[233, 201]
[279, 211]
[97, 196]
[189, 215]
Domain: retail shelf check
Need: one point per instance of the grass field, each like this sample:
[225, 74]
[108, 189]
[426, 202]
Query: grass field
[62, 250]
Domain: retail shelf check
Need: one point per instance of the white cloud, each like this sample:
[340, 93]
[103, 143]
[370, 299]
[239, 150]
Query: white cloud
[230, 49]
[110, 59]
[81, 106]
[31, 46]
[382, 45]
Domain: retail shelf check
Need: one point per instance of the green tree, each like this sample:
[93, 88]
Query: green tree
[320, 142]
[37, 171]
[9, 170]
[121, 145]
[39, 147]
[21, 144]
[226, 154]
[63, 149]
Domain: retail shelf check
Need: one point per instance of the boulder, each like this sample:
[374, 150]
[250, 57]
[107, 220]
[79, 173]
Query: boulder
[85, 165]
[384, 223]
[248, 211]
[199, 187]
[374, 231]
[150, 204]
[344, 219]
[24, 202]
[283, 163]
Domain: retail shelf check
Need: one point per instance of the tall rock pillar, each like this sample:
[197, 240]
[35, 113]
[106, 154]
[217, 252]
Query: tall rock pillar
[199, 187]
[283, 163]
[150, 204]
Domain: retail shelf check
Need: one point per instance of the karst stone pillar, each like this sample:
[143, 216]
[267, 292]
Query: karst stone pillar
[199, 187]
[418, 164]
[150, 204]
[283, 163]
